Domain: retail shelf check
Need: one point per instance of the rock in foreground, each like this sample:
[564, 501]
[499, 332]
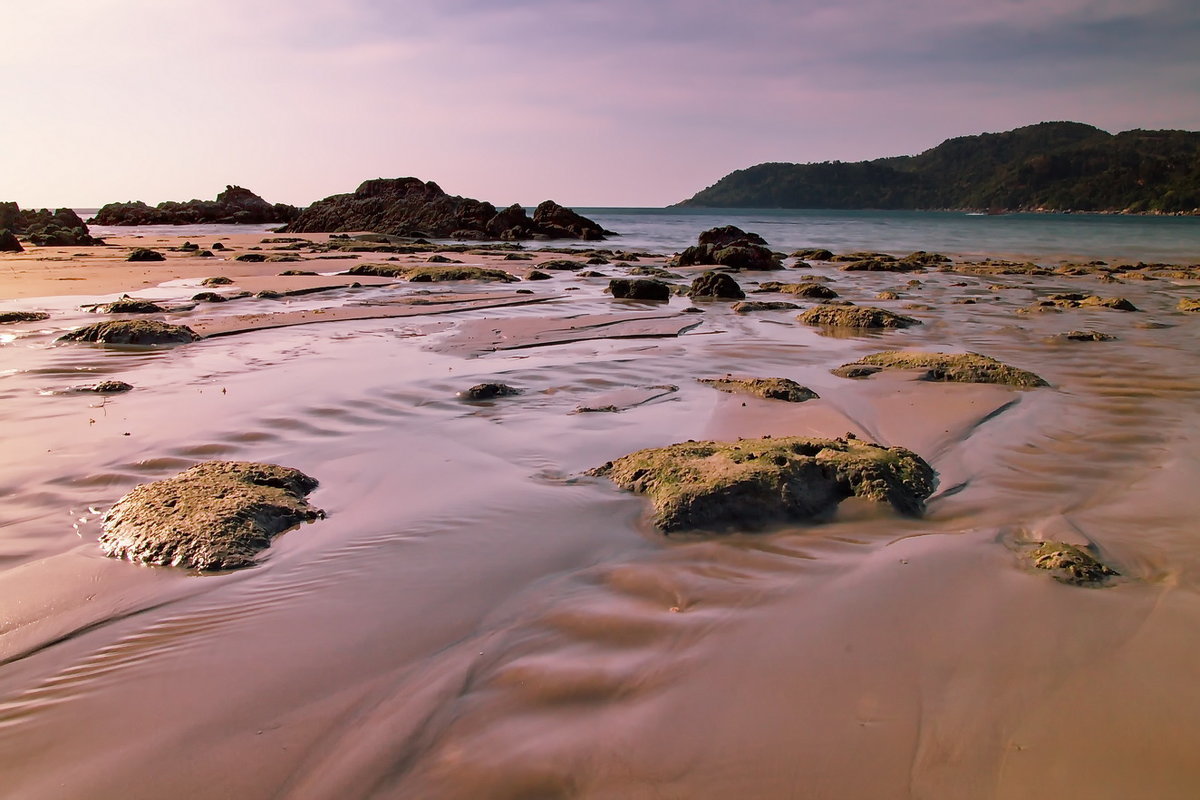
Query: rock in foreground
[752, 483]
[411, 207]
[215, 516]
[131, 331]
[1070, 564]
[953, 367]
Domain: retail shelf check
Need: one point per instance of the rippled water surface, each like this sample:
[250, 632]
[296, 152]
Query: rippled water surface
[475, 618]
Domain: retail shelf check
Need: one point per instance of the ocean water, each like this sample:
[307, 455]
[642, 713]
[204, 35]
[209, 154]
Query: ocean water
[1041, 237]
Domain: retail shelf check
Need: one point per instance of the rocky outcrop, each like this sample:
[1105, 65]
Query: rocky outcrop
[235, 206]
[414, 208]
[131, 331]
[731, 247]
[752, 483]
[1067, 563]
[215, 516]
[43, 228]
[716, 285]
[7, 317]
[639, 289]
[856, 317]
[953, 367]
[770, 388]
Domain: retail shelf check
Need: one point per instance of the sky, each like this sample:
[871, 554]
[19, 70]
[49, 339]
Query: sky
[587, 102]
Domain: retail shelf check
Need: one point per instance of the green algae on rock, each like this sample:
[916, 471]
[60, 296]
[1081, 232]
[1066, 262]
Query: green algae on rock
[131, 331]
[856, 317]
[951, 367]
[751, 483]
[769, 388]
[217, 515]
[1070, 564]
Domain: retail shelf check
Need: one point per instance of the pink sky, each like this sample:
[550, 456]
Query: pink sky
[588, 102]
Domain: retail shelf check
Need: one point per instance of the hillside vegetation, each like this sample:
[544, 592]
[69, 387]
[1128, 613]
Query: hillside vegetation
[1051, 166]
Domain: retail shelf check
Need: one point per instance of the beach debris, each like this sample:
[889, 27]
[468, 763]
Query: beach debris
[716, 285]
[639, 289]
[748, 306]
[752, 483]
[855, 317]
[131, 331]
[145, 254]
[7, 317]
[488, 391]
[769, 388]
[951, 367]
[729, 246]
[810, 289]
[1069, 564]
[218, 515]
[130, 305]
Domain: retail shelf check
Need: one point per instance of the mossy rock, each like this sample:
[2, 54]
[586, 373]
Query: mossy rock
[1188, 304]
[1078, 300]
[131, 331]
[950, 367]
[209, 297]
[131, 305]
[856, 317]
[145, 254]
[752, 483]
[7, 317]
[1070, 564]
[565, 264]
[378, 270]
[644, 271]
[769, 388]
[809, 289]
[813, 254]
[254, 258]
[716, 285]
[639, 289]
[437, 258]
[749, 306]
[454, 273]
[215, 516]
[488, 391]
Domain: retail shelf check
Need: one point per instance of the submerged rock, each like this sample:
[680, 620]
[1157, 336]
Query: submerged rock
[856, 317]
[106, 387]
[488, 391]
[769, 388]
[639, 289]
[145, 254]
[1070, 564]
[1085, 336]
[22, 316]
[876, 264]
[748, 306]
[131, 331]
[1077, 300]
[752, 483]
[716, 285]
[952, 367]
[215, 516]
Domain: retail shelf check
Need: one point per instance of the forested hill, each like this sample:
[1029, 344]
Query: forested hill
[1052, 166]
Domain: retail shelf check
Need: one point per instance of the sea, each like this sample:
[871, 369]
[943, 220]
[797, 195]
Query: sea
[1038, 237]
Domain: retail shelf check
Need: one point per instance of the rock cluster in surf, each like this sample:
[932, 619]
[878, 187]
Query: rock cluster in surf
[43, 228]
[235, 205]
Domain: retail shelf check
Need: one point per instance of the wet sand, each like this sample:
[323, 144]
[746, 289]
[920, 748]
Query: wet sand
[477, 619]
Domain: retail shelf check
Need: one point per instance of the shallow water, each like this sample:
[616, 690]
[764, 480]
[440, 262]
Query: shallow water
[475, 619]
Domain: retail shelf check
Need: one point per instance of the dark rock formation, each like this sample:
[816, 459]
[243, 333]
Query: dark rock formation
[538, 275]
[215, 516]
[106, 387]
[22, 316]
[131, 305]
[809, 289]
[453, 273]
[411, 207]
[235, 205]
[217, 280]
[1085, 336]
[729, 235]
[9, 243]
[131, 331]
[716, 285]
[748, 306]
[751, 483]
[252, 258]
[813, 254]
[769, 388]
[639, 289]
[954, 367]
[731, 247]
[488, 391]
[144, 254]
[62, 228]
[856, 317]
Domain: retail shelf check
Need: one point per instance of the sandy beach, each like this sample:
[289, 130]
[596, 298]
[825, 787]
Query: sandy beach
[477, 617]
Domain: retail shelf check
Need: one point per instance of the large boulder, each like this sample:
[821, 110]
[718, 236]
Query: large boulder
[716, 285]
[131, 331]
[729, 235]
[235, 205]
[215, 516]
[412, 207]
[752, 483]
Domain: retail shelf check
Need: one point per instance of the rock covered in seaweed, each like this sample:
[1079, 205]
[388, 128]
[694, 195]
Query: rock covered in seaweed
[131, 331]
[751, 483]
[856, 317]
[218, 515]
[952, 367]
[749, 306]
[769, 388]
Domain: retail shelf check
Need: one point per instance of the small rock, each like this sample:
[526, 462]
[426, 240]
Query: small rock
[1070, 564]
[770, 388]
[639, 289]
[144, 254]
[488, 391]
[748, 306]
[856, 317]
[22, 316]
[716, 285]
[538, 275]
[131, 331]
